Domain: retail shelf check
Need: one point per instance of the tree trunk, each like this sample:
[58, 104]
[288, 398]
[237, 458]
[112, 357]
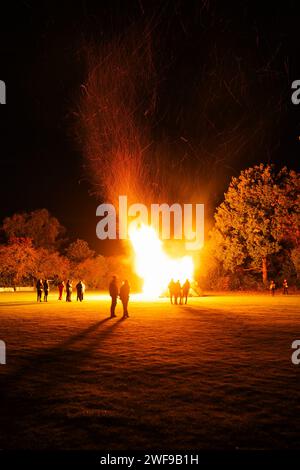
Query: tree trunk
[264, 270]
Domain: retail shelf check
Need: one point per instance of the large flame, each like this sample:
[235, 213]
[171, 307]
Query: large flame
[153, 265]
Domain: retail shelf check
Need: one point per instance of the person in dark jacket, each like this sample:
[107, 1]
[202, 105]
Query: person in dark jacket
[171, 287]
[124, 296]
[39, 290]
[185, 290]
[69, 288]
[272, 288]
[113, 292]
[46, 290]
[79, 289]
[177, 292]
[285, 287]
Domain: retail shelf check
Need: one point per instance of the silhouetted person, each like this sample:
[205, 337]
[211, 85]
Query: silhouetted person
[113, 292]
[46, 290]
[61, 287]
[124, 296]
[69, 288]
[39, 290]
[272, 288]
[83, 289]
[285, 287]
[185, 290]
[79, 288]
[177, 292]
[171, 287]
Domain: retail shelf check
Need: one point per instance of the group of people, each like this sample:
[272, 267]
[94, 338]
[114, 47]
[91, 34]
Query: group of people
[42, 286]
[179, 293]
[122, 293]
[285, 287]
[80, 289]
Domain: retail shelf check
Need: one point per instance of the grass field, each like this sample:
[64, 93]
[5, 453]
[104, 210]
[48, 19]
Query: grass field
[216, 373]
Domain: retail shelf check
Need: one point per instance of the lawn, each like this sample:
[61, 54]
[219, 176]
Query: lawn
[216, 373]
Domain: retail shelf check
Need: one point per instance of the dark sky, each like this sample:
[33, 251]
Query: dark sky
[224, 93]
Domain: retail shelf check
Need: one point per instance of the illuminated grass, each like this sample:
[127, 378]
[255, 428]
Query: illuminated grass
[213, 374]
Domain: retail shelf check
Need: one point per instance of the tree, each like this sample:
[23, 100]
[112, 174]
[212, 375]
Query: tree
[17, 262]
[259, 215]
[296, 260]
[93, 271]
[51, 265]
[210, 272]
[79, 251]
[44, 229]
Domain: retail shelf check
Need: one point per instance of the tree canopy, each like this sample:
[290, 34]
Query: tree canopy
[40, 226]
[17, 261]
[259, 216]
[79, 251]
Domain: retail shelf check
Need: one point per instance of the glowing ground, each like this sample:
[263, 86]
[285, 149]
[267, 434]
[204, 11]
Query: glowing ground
[216, 373]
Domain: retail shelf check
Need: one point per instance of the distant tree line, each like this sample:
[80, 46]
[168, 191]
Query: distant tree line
[34, 245]
[255, 238]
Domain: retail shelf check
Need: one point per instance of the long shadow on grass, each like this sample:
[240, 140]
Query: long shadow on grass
[19, 304]
[61, 352]
[27, 389]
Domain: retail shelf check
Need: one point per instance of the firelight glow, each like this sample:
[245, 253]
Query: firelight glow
[154, 266]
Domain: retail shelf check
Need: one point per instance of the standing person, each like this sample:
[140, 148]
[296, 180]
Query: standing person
[83, 289]
[79, 288]
[285, 287]
[185, 290]
[39, 290]
[171, 287]
[61, 287]
[113, 292]
[177, 292]
[69, 288]
[46, 290]
[124, 296]
[272, 288]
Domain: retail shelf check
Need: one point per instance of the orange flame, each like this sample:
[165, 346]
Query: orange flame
[154, 266]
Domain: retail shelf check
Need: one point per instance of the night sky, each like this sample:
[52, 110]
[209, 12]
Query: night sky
[225, 74]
